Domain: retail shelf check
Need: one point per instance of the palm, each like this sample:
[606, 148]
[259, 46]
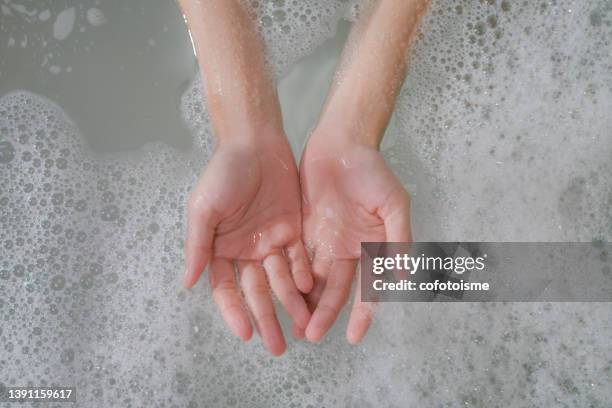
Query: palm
[350, 196]
[256, 196]
[340, 202]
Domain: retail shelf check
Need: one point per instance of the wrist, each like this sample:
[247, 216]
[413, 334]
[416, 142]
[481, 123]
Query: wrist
[335, 143]
[259, 138]
[355, 118]
[343, 132]
[245, 118]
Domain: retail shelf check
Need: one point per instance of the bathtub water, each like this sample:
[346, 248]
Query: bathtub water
[502, 132]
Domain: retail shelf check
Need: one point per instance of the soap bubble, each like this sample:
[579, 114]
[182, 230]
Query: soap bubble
[96, 17]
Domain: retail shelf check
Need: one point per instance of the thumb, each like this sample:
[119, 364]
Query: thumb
[201, 224]
[396, 216]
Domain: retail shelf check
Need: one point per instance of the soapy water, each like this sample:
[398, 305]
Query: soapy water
[501, 133]
[505, 118]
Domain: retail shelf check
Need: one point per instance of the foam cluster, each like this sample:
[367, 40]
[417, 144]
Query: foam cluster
[501, 130]
[294, 28]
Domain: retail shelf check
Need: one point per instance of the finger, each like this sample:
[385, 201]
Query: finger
[226, 296]
[297, 331]
[201, 224]
[396, 216]
[300, 267]
[321, 266]
[332, 300]
[257, 296]
[397, 223]
[361, 316]
[315, 294]
[282, 284]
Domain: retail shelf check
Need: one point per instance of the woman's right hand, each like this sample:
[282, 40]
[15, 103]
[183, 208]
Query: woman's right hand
[245, 212]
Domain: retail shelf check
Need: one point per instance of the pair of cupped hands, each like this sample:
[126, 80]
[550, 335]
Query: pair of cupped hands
[258, 223]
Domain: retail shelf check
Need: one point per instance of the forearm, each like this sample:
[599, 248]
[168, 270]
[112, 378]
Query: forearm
[372, 70]
[241, 96]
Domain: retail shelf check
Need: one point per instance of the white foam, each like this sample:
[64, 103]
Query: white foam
[96, 17]
[64, 23]
[44, 15]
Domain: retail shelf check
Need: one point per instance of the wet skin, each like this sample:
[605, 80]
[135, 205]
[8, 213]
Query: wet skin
[250, 213]
[349, 196]
[245, 212]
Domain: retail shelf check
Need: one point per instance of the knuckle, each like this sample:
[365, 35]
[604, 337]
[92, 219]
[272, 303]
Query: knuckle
[405, 198]
[224, 287]
[365, 310]
[196, 205]
[292, 299]
[192, 202]
[329, 309]
[259, 289]
[231, 309]
[266, 317]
